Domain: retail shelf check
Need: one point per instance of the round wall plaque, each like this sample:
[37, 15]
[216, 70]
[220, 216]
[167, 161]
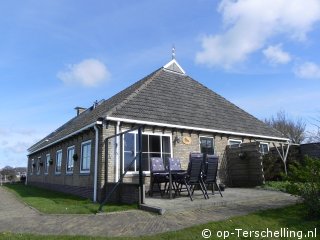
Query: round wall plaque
[186, 140]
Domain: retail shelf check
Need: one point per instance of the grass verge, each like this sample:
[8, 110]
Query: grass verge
[276, 185]
[60, 203]
[292, 218]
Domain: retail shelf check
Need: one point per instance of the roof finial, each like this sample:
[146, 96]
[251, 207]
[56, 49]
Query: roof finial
[173, 52]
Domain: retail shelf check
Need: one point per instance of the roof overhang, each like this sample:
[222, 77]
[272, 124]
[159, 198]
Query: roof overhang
[33, 149]
[196, 128]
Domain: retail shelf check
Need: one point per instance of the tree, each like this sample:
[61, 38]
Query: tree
[9, 173]
[314, 136]
[294, 130]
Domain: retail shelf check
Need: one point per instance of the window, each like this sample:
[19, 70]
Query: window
[206, 145]
[234, 143]
[32, 166]
[58, 161]
[38, 165]
[153, 145]
[46, 164]
[85, 157]
[69, 167]
[264, 148]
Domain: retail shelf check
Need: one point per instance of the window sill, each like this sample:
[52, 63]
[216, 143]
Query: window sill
[69, 173]
[146, 174]
[57, 174]
[84, 174]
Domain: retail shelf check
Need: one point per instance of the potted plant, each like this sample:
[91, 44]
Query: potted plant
[50, 161]
[75, 157]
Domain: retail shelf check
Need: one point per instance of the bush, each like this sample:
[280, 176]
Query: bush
[272, 167]
[23, 179]
[304, 180]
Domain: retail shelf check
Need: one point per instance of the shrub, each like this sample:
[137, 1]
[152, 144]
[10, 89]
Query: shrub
[23, 179]
[304, 180]
[272, 167]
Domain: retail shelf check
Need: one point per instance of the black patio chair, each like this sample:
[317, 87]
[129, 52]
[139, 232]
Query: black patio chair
[211, 170]
[158, 174]
[192, 177]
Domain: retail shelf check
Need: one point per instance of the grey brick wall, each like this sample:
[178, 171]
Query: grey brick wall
[65, 180]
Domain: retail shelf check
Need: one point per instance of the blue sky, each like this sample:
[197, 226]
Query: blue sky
[58, 54]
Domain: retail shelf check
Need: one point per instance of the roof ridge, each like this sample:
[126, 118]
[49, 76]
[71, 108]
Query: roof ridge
[148, 80]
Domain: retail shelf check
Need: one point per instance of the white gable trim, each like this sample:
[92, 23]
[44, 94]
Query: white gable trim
[194, 128]
[172, 62]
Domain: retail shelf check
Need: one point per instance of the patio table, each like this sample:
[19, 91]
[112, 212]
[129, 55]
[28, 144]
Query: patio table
[173, 173]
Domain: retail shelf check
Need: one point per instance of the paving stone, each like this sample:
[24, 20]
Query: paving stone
[17, 217]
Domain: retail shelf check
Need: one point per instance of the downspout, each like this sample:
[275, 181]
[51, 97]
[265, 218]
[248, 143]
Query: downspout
[117, 153]
[95, 180]
[27, 173]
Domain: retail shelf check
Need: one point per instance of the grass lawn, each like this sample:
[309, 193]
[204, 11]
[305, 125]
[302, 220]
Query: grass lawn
[276, 185]
[293, 218]
[60, 203]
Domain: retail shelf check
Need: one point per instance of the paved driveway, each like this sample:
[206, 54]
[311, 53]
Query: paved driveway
[17, 217]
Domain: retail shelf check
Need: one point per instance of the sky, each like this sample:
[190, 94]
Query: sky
[262, 55]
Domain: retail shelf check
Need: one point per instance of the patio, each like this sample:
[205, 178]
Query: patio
[231, 196]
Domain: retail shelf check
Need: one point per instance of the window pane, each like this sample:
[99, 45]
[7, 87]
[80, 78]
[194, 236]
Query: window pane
[166, 144]
[70, 159]
[206, 145]
[165, 157]
[86, 156]
[128, 157]
[145, 145]
[234, 144]
[264, 148]
[145, 162]
[47, 163]
[154, 143]
[128, 142]
[58, 161]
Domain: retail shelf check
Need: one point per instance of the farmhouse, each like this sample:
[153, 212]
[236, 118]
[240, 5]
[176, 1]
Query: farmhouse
[178, 115]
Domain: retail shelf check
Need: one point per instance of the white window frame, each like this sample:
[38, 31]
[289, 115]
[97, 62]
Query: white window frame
[81, 160]
[55, 169]
[68, 158]
[213, 140]
[135, 150]
[47, 164]
[38, 166]
[234, 140]
[264, 143]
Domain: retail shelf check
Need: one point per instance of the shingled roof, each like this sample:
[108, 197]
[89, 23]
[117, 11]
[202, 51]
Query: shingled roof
[168, 96]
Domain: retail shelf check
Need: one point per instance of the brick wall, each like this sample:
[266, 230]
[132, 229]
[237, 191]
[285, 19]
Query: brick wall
[64, 181]
[86, 192]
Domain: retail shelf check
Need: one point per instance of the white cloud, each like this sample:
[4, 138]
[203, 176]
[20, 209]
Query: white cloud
[13, 148]
[18, 147]
[88, 73]
[308, 70]
[249, 24]
[276, 55]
